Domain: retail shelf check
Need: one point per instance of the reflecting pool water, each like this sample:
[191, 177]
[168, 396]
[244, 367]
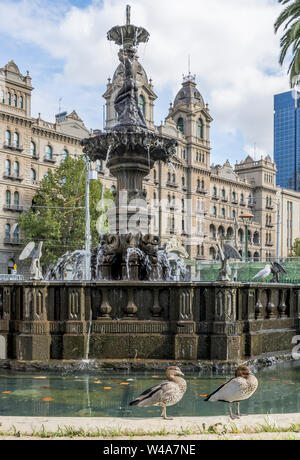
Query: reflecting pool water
[103, 395]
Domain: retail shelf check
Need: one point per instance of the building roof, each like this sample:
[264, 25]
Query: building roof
[189, 92]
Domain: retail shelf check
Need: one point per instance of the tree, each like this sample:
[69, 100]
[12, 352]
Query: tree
[295, 252]
[290, 16]
[57, 215]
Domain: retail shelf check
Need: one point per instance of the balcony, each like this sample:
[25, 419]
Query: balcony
[215, 197]
[35, 157]
[14, 207]
[235, 201]
[269, 244]
[224, 199]
[13, 146]
[49, 160]
[12, 240]
[242, 203]
[202, 191]
[9, 175]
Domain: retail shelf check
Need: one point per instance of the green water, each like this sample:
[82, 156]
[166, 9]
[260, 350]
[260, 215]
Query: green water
[83, 396]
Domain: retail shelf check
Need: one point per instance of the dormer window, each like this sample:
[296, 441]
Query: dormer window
[180, 125]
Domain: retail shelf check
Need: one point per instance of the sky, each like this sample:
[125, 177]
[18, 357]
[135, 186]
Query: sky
[233, 52]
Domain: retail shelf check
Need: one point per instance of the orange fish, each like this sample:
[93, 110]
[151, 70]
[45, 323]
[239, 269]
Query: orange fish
[47, 399]
[42, 377]
[155, 376]
[98, 382]
[6, 392]
[107, 388]
[203, 396]
[45, 388]
[124, 383]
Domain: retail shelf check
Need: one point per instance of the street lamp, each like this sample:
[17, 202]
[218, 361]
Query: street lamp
[246, 218]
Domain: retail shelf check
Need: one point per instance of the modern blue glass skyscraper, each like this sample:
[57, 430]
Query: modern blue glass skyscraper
[287, 139]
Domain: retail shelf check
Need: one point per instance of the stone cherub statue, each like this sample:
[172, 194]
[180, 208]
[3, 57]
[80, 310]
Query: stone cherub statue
[228, 252]
[29, 252]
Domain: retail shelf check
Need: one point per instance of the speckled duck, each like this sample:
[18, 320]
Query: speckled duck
[167, 393]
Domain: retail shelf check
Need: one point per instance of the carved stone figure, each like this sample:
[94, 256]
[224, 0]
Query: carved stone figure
[29, 252]
[229, 252]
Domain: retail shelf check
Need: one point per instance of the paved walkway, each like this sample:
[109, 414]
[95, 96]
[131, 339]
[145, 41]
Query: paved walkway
[263, 426]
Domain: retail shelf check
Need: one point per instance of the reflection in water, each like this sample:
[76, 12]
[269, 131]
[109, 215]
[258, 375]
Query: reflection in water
[84, 396]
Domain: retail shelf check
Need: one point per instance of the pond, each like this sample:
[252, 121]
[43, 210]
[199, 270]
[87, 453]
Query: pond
[108, 395]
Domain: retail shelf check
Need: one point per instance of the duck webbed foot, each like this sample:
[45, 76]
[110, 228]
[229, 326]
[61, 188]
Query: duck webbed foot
[164, 414]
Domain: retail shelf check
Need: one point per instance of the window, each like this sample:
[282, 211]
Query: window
[200, 128]
[180, 125]
[202, 184]
[16, 198]
[99, 165]
[48, 152]
[8, 197]
[16, 140]
[169, 177]
[33, 174]
[8, 167]
[242, 198]
[2, 96]
[214, 191]
[173, 178]
[15, 100]
[9, 98]
[223, 193]
[142, 104]
[214, 211]
[33, 149]
[234, 214]
[17, 169]
[7, 232]
[198, 184]
[223, 212]
[16, 234]
[8, 137]
[154, 174]
[183, 181]
[10, 266]
[21, 102]
[233, 196]
[65, 154]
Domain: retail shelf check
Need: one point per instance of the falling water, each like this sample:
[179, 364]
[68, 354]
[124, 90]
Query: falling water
[89, 336]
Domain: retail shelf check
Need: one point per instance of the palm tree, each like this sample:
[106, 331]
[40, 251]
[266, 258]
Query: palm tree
[290, 16]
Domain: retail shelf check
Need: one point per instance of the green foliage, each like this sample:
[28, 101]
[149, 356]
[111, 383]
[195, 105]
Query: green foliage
[290, 41]
[57, 216]
[296, 248]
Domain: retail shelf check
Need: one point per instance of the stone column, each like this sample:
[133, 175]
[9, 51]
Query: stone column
[75, 337]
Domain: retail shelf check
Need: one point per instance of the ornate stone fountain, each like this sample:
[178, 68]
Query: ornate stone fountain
[130, 150]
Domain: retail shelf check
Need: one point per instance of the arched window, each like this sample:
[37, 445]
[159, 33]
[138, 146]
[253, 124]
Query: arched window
[214, 191]
[17, 169]
[234, 214]
[8, 167]
[48, 152]
[10, 266]
[16, 198]
[212, 230]
[242, 198]
[169, 177]
[8, 137]
[9, 98]
[198, 184]
[8, 197]
[202, 184]
[200, 128]
[33, 174]
[142, 104]
[223, 213]
[65, 154]
[32, 149]
[214, 211]
[21, 102]
[154, 174]
[174, 178]
[241, 236]
[180, 125]
[16, 140]
[183, 181]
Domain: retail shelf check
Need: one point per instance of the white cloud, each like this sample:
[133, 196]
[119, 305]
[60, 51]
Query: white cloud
[232, 45]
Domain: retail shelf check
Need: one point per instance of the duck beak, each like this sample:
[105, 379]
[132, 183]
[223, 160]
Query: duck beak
[180, 373]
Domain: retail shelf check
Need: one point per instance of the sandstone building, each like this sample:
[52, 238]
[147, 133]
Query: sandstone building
[29, 147]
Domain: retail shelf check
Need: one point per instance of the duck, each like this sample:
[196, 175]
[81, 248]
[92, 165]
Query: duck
[166, 393]
[237, 389]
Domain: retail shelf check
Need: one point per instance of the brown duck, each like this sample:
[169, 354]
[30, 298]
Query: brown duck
[164, 394]
[240, 388]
